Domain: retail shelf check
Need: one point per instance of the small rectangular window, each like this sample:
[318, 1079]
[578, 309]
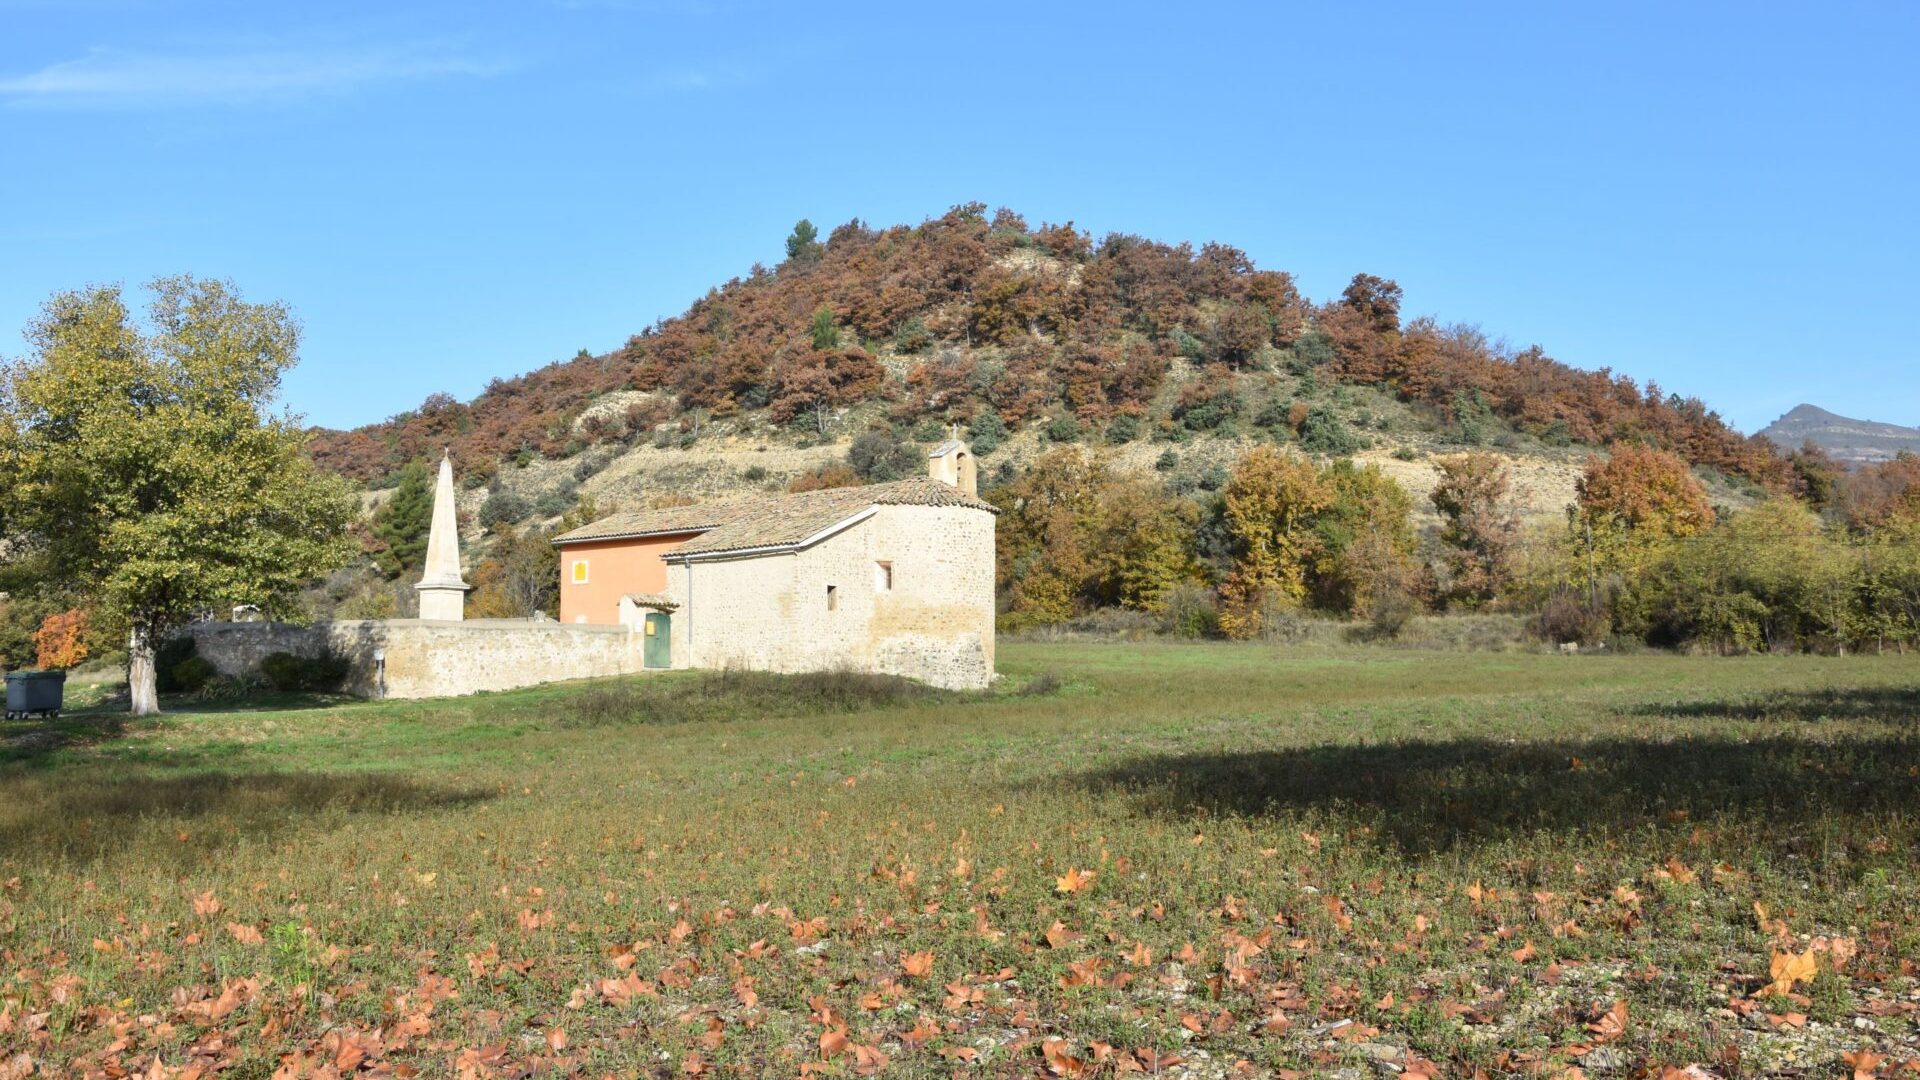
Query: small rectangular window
[580, 571]
[883, 577]
[833, 598]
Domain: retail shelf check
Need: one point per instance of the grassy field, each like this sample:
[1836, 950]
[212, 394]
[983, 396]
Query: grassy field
[1201, 860]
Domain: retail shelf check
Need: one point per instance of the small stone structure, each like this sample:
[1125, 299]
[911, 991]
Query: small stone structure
[901, 589]
[443, 594]
[952, 463]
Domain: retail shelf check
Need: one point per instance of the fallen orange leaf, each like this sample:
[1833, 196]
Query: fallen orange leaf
[1789, 968]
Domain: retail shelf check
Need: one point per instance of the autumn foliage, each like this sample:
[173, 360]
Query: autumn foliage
[985, 322]
[1479, 531]
[60, 642]
[1271, 505]
[985, 313]
[1646, 491]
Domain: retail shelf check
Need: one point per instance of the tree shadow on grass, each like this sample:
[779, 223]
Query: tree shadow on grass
[1427, 797]
[79, 815]
[32, 741]
[1896, 705]
[201, 704]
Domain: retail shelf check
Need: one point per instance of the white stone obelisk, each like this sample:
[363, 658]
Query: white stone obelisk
[443, 595]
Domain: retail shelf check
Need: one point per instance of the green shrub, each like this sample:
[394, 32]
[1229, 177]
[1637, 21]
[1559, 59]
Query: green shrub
[503, 507]
[590, 463]
[912, 336]
[167, 659]
[558, 501]
[1042, 685]
[1063, 429]
[1313, 350]
[987, 432]
[1189, 346]
[1207, 406]
[1124, 429]
[374, 603]
[824, 328]
[1472, 417]
[1566, 619]
[753, 474]
[1190, 611]
[225, 688]
[1323, 432]
[1272, 418]
[1392, 610]
[190, 676]
[321, 674]
[876, 456]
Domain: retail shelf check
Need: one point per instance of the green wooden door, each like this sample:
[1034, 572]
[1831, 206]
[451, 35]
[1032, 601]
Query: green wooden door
[658, 652]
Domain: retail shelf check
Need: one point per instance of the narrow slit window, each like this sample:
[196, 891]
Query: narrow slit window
[883, 577]
[833, 598]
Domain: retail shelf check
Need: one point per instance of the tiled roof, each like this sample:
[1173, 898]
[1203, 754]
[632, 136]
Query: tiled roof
[789, 519]
[661, 522]
[775, 521]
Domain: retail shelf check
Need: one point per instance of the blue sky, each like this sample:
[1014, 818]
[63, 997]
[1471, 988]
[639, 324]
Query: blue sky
[1720, 197]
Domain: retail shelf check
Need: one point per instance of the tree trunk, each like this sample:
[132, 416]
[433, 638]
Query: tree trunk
[143, 694]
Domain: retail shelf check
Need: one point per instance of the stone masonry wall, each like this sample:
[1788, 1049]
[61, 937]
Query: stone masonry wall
[937, 623]
[430, 659]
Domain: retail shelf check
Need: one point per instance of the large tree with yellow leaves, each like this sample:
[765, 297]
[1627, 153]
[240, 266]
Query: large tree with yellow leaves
[148, 469]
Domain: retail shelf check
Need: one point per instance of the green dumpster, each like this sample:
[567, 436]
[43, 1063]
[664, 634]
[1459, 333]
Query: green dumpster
[34, 693]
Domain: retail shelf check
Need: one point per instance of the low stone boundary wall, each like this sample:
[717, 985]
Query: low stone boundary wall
[414, 658]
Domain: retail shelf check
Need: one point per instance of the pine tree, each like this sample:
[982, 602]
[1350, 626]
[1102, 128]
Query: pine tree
[403, 520]
[824, 331]
[803, 245]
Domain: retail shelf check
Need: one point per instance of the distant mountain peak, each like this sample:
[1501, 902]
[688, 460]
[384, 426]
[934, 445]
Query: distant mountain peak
[1846, 439]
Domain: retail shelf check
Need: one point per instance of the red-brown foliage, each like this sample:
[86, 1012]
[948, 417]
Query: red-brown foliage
[1645, 490]
[831, 475]
[1877, 495]
[1069, 322]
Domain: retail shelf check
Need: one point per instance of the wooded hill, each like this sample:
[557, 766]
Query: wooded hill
[985, 321]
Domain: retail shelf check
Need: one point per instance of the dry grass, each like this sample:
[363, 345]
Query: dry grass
[1248, 859]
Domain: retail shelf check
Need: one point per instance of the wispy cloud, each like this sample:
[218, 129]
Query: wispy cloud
[110, 78]
[716, 77]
